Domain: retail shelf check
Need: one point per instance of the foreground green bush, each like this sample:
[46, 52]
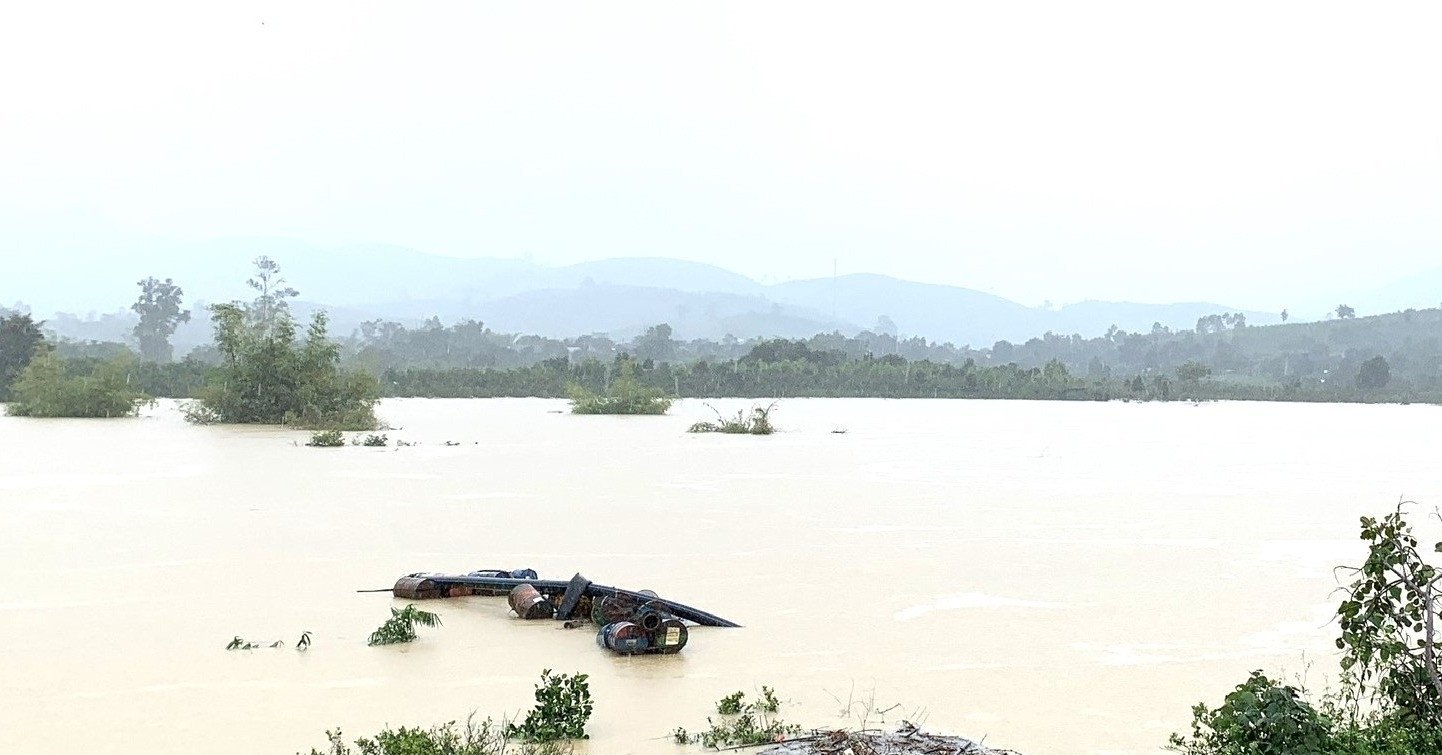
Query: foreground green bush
[563, 706]
[44, 389]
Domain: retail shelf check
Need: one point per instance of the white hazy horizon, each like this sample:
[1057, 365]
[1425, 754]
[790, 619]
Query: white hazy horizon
[1243, 153]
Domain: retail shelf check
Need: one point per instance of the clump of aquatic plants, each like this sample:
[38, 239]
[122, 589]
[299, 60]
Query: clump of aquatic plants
[401, 626]
[484, 738]
[626, 395]
[742, 723]
[326, 439]
[758, 423]
[563, 706]
[370, 441]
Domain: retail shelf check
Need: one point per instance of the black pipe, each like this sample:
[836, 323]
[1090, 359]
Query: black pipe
[558, 586]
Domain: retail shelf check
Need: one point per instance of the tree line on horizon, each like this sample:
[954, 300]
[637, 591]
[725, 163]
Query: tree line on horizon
[1387, 357]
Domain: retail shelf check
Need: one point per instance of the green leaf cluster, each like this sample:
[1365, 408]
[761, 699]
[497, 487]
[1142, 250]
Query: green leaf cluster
[1259, 717]
[563, 706]
[401, 626]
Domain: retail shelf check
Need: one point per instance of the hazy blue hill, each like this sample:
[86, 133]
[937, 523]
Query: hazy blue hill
[624, 295]
[655, 272]
[628, 310]
[937, 312]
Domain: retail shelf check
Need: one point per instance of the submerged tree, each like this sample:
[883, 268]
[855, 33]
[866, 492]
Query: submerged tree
[268, 375]
[159, 307]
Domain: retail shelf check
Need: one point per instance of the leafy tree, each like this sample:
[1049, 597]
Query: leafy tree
[1193, 372]
[1345, 312]
[656, 344]
[20, 340]
[159, 307]
[1374, 374]
[270, 304]
[45, 390]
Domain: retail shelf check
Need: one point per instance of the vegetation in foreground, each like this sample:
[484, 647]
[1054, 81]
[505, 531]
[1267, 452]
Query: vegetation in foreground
[267, 375]
[563, 706]
[485, 738]
[1390, 702]
[46, 389]
[625, 395]
[759, 423]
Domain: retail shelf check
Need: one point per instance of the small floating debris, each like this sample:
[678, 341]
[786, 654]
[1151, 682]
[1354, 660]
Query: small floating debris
[631, 622]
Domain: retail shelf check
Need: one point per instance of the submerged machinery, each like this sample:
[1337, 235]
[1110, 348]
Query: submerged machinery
[629, 622]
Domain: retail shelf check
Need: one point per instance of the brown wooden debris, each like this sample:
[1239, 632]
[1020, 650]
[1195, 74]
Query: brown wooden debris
[906, 740]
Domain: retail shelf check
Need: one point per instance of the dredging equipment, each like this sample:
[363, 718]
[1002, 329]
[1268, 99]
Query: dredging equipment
[566, 596]
[630, 622]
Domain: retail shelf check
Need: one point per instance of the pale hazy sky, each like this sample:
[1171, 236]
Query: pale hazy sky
[1235, 152]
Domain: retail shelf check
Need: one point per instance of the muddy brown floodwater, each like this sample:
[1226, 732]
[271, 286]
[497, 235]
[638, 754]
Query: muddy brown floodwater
[1059, 578]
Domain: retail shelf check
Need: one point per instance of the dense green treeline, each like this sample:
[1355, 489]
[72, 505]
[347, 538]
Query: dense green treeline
[790, 369]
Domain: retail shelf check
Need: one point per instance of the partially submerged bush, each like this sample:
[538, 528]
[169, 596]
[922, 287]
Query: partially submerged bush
[625, 396]
[401, 626]
[326, 439]
[563, 706]
[742, 723]
[485, 738]
[759, 423]
[372, 441]
[44, 389]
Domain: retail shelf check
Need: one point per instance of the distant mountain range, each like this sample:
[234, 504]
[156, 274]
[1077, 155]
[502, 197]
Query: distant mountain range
[619, 297]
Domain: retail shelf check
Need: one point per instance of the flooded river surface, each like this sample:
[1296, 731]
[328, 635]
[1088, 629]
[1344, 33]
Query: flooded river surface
[1058, 577]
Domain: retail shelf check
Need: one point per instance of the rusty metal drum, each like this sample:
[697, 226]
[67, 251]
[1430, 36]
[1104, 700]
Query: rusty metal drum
[528, 603]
